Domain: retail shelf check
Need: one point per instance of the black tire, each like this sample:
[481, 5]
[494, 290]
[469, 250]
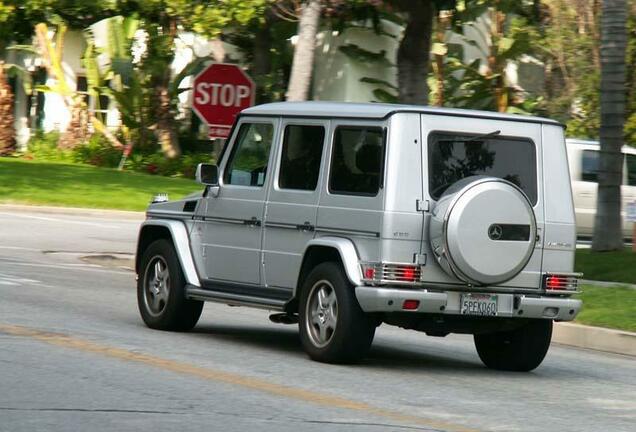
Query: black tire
[519, 350]
[353, 331]
[165, 309]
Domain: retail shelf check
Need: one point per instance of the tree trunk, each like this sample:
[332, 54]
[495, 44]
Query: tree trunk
[413, 56]
[76, 132]
[7, 131]
[607, 225]
[165, 127]
[303, 63]
[262, 64]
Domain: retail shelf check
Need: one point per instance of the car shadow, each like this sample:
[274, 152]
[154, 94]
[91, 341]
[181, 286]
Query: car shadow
[381, 355]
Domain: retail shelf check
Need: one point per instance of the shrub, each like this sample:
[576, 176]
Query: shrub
[98, 151]
[43, 146]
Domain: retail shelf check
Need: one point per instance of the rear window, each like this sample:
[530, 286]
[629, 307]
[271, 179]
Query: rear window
[589, 166]
[452, 157]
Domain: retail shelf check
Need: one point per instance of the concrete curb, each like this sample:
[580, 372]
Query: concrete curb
[595, 338]
[74, 211]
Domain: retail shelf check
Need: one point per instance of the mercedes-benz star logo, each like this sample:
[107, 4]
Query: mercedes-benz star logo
[495, 232]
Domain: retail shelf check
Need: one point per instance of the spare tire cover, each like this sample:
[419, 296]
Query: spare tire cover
[483, 230]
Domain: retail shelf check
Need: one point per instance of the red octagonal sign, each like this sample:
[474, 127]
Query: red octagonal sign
[221, 91]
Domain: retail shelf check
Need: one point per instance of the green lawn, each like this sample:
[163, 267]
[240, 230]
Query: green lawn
[59, 184]
[607, 266]
[608, 307]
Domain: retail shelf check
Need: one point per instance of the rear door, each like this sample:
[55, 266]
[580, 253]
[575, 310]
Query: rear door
[290, 220]
[514, 154]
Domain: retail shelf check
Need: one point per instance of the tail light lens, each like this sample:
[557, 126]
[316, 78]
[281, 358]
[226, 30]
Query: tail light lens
[561, 282]
[378, 273]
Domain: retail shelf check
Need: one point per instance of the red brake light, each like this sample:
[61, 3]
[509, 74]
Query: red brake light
[410, 304]
[369, 273]
[408, 274]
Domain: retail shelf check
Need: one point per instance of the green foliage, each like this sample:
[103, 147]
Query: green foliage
[43, 147]
[98, 152]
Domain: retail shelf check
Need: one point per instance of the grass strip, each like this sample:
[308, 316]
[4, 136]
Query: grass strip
[74, 185]
[617, 266]
[613, 307]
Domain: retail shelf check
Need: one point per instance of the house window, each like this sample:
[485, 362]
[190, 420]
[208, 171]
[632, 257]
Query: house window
[96, 104]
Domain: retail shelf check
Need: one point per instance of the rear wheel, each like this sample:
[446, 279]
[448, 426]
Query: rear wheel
[161, 290]
[521, 350]
[333, 328]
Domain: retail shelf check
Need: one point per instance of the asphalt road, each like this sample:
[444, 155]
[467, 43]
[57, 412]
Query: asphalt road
[74, 355]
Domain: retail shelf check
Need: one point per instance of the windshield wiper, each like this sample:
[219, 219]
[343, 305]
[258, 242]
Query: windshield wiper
[479, 137]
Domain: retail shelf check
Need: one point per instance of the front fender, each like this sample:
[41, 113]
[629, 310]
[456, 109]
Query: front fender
[180, 239]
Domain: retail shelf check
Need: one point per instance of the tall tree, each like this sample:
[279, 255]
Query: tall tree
[607, 225]
[413, 55]
[303, 62]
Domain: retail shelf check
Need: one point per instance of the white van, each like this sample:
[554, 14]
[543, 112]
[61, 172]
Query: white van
[583, 159]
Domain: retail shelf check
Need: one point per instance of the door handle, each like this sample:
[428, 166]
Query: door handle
[306, 227]
[252, 222]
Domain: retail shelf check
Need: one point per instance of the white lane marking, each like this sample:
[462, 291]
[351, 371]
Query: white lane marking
[12, 280]
[50, 219]
[83, 267]
[20, 248]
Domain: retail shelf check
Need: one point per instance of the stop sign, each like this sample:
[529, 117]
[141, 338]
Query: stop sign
[221, 91]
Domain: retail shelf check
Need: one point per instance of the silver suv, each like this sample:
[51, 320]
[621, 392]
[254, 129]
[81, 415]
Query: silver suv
[340, 217]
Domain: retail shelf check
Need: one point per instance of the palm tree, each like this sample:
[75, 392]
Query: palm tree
[303, 62]
[607, 226]
[7, 132]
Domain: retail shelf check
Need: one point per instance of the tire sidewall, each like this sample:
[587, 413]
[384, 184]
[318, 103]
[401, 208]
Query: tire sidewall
[354, 329]
[176, 293]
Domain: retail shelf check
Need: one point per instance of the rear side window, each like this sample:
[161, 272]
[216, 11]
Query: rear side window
[248, 162]
[631, 169]
[357, 161]
[300, 159]
[452, 157]
[589, 165]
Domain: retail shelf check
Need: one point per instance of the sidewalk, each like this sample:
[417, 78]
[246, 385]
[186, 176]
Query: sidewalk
[595, 338]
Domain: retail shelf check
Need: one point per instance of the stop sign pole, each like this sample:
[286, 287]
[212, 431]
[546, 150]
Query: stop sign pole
[220, 92]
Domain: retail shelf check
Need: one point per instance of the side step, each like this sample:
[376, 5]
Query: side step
[284, 318]
[234, 299]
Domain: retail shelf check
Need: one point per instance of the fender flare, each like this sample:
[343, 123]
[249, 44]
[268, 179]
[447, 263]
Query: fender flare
[347, 252]
[181, 242]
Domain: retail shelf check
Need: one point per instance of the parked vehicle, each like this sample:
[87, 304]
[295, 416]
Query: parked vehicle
[583, 160]
[344, 216]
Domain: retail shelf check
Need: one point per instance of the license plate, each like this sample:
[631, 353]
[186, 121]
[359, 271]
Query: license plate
[478, 304]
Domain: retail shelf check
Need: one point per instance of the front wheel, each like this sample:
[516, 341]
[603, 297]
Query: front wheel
[333, 328]
[161, 290]
[520, 350]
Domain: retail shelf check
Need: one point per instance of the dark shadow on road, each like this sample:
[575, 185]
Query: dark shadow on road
[286, 340]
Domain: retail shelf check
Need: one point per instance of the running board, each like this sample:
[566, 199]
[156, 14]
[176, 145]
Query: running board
[232, 299]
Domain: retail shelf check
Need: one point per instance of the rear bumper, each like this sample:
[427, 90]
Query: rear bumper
[385, 299]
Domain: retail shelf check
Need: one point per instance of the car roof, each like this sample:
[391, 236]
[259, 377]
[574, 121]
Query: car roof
[376, 111]
[593, 144]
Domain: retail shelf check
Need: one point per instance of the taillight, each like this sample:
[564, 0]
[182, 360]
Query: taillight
[561, 282]
[391, 273]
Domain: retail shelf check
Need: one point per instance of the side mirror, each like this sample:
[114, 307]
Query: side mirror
[207, 174]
